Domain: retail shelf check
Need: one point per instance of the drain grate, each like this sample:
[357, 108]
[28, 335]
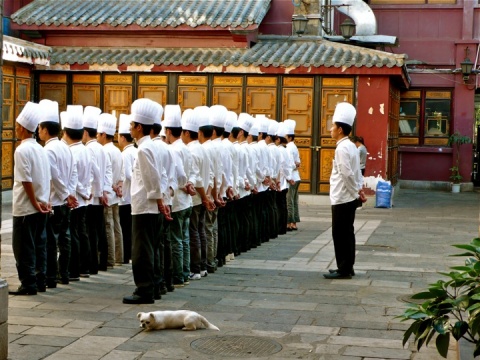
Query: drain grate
[237, 346]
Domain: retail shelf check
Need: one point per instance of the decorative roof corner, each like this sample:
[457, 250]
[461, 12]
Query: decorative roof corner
[18, 50]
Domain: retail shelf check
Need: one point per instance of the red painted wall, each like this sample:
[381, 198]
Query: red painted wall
[372, 121]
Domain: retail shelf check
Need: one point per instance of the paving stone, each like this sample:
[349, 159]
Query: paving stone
[122, 355]
[40, 321]
[283, 305]
[82, 324]
[320, 330]
[17, 329]
[116, 332]
[54, 340]
[382, 353]
[92, 345]
[329, 349]
[29, 352]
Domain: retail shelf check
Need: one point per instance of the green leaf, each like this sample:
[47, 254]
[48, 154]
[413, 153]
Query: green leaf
[440, 324]
[471, 248]
[475, 325]
[411, 330]
[464, 254]
[461, 268]
[423, 295]
[476, 352]
[442, 342]
[474, 306]
[459, 329]
[476, 242]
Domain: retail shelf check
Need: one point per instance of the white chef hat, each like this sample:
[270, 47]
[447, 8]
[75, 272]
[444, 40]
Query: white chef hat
[189, 121]
[30, 116]
[231, 121]
[172, 117]
[245, 121]
[49, 110]
[263, 122]
[90, 117]
[344, 113]
[158, 117]
[218, 115]
[144, 111]
[272, 127]
[202, 115]
[254, 129]
[124, 124]
[162, 132]
[290, 126]
[281, 130]
[107, 124]
[73, 117]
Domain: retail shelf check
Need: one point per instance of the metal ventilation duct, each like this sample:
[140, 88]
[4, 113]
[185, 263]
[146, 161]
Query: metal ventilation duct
[361, 14]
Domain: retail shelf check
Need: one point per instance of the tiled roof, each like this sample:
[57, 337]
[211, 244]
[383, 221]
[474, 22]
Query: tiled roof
[18, 50]
[269, 51]
[144, 13]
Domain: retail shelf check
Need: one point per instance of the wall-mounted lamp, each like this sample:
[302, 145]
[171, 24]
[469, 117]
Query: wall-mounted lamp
[347, 28]
[467, 66]
[299, 24]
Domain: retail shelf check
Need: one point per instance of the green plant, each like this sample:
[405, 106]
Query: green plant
[456, 140]
[451, 307]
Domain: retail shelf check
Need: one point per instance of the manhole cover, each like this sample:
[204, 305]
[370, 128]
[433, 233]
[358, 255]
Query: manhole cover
[237, 346]
[408, 299]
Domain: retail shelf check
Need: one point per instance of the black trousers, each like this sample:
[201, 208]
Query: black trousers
[80, 245]
[343, 217]
[144, 240]
[125, 212]
[58, 237]
[97, 235]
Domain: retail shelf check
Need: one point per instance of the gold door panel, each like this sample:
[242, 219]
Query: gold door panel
[155, 93]
[118, 98]
[86, 95]
[297, 105]
[230, 97]
[8, 101]
[330, 99]
[55, 92]
[23, 94]
[305, 169]
[190, 97]
[262, 101]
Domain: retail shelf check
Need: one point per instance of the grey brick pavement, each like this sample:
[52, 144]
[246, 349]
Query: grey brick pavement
[274, 292]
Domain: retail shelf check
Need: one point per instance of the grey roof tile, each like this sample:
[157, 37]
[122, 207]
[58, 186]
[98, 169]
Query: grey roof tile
[144, 13]
[18, 50]
[269, 51]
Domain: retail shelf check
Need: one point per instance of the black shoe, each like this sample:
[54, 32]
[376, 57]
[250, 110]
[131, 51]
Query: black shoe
[156, 296]
[135, 299]
[73, 279]
[51, 284]
[170, 288]
[42, 288]
[331, 271]
[336, 275]
[23, 291]
[64, 281]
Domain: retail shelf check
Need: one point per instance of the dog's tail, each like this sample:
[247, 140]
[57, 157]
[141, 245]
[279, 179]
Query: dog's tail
[208, 324]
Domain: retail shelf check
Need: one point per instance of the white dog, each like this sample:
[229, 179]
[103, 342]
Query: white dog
[185, 319]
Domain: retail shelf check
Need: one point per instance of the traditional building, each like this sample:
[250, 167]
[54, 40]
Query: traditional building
[109, 53]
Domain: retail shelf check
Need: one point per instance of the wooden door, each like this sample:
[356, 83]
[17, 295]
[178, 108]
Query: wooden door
[262, 96]
[332, 94]
[228, 91]
[86, 90]
[297, 105]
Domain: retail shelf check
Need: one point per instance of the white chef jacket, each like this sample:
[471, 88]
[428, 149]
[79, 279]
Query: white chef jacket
[286, 167]
[63, 169]
[265, 162]
[293, 150]
[182, 200]
[101, 178]
[114, 155]
[202, 163]
[346, 178]
[275, 158]
[215, 170]
[228, 148]
[244, 173]
[31, 165]
[83, 187]
[256, 165]
[129, 154]
[224, 167]
[146, 178]
[169, 179]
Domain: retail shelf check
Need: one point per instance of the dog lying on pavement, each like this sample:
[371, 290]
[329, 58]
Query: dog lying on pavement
[184, 319]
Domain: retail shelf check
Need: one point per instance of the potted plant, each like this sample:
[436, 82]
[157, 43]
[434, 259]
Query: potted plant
[451, 307]
[456, 140]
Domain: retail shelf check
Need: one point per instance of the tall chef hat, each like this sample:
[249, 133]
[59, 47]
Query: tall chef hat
[245, 122]
[231, 121]
[262, 123]
[344, 113]
[202, 115]
[254, 129]
[124, 124]
[49, 111]
[272, 127]
[73, 117]
[218, 115]
[144, 111]
[172, 117]
[281, 130]
[30, 116]
[189, 122]
[158, 117]
[290, 126]
[90, 117]
[107, 124]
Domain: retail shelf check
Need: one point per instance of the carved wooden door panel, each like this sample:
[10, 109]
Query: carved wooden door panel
[330, 98]
[262, 101]
[230, 97]
[190, 97]
[155, 93]
[86, 95]
[297, 105]
[118, 99]
[8, 132]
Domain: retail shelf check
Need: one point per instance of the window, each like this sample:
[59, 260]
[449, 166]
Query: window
[425, 117]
